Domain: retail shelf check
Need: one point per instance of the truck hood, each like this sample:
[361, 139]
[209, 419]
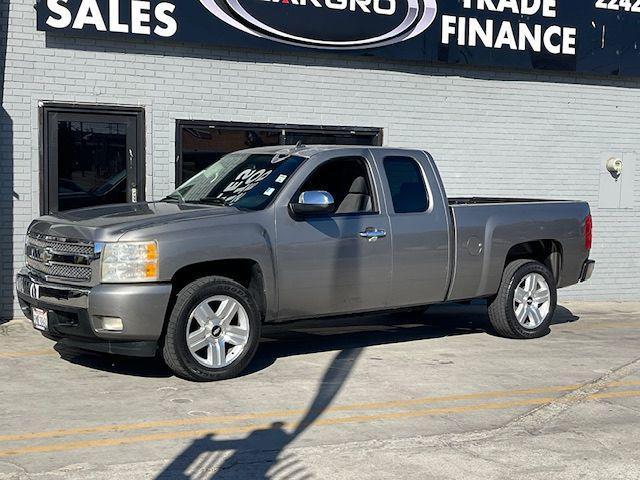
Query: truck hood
[110, 222]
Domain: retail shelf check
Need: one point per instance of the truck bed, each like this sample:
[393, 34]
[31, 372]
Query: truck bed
[486, 228]
[490, 200]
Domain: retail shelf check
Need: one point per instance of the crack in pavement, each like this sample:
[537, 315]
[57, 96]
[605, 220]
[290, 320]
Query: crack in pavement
[534, 420]
[14, 466]
[530, 423]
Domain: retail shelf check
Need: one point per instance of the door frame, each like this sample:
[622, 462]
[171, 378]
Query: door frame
[285, 222]
[45, 108]
[282, 127]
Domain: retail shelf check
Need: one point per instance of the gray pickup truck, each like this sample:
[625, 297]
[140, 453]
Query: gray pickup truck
[271, 235]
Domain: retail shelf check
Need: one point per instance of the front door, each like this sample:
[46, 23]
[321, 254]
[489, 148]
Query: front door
[327, 265]
[91, 159]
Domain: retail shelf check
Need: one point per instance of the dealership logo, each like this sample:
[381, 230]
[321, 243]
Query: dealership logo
[328, 24]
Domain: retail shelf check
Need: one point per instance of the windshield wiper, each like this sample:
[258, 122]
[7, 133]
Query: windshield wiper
[213, 201]
[173, 198]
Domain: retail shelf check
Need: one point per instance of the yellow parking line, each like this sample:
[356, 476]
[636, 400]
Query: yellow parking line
[59, 447]
[28, 353]
[107, 442]
[276, 413]
[293, 412]
[471, 396]
[623, 394]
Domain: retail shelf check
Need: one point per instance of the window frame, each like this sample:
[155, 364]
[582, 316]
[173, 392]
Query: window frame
[137, 114]
[373, 188]
[375, 132]
[423, 177]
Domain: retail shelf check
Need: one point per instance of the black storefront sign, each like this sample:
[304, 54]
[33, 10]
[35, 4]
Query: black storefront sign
[586, 36]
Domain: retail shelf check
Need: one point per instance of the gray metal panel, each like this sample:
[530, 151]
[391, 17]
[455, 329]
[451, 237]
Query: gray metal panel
[142, 309]
[617, 191]
[323, 266]
[610, 187]
[420, 240]
[233, 235]
[628, 179]
[499, 227]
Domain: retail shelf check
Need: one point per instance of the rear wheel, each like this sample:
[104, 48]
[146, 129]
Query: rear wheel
[213, 331]
[525, 302]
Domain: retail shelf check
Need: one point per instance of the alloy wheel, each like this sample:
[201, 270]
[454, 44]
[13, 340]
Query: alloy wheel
[532, 301]
[217, 331]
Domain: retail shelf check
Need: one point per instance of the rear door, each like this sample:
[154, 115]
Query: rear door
[420, 226]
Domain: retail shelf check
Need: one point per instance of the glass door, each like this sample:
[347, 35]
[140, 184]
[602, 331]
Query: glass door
[91, 160]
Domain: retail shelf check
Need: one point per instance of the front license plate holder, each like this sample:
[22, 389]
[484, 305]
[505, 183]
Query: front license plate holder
[40, 319]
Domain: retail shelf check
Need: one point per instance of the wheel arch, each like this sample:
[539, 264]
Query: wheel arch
[246, 271]
[549, 252]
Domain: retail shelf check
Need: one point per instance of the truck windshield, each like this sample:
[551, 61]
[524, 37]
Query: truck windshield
[244, 180]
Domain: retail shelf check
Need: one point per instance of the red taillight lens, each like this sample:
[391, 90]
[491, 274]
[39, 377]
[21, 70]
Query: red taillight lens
[588, 232]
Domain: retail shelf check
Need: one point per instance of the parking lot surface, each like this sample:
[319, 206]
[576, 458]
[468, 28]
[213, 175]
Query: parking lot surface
[391, 396]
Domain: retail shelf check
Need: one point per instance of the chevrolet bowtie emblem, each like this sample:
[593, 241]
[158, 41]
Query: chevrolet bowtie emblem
[47, 256]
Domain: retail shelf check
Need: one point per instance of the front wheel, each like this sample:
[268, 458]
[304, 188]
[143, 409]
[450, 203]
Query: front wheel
[213, 331]
[525, 302]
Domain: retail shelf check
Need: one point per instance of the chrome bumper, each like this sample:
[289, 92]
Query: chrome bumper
[587, 270]
[56, 295]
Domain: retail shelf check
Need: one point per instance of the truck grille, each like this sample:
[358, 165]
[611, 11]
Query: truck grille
[81, 248]
[60, 258]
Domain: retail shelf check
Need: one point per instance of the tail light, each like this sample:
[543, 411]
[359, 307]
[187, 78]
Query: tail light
[588, 232]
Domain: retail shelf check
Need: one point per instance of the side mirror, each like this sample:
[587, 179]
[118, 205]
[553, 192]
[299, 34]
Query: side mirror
[314, 202]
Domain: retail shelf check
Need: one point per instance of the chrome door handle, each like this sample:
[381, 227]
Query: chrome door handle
[373, 234]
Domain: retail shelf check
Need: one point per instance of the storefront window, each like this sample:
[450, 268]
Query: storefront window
[203, 146]
[92, 165]
[200, 145]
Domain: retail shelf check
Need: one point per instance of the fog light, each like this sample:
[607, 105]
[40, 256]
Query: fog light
[112, 324]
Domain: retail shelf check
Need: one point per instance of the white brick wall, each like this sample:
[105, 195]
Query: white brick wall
[492, 132]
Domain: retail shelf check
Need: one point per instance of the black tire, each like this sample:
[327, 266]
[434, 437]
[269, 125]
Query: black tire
[501, 313]
[175, 351]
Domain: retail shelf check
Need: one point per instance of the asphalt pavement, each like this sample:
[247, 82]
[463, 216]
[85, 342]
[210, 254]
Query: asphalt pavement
[406, 396]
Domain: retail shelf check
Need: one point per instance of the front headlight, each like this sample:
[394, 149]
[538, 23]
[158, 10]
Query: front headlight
[130, 262]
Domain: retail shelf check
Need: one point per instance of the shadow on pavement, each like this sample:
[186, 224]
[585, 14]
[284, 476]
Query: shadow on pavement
[324, 335]
[563, 315]
[258, 454]
[134, 366]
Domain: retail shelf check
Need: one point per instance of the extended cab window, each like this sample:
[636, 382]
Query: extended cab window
[347, 180]
[408, 191]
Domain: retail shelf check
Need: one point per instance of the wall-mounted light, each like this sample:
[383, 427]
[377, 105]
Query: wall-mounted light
[614, 167]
